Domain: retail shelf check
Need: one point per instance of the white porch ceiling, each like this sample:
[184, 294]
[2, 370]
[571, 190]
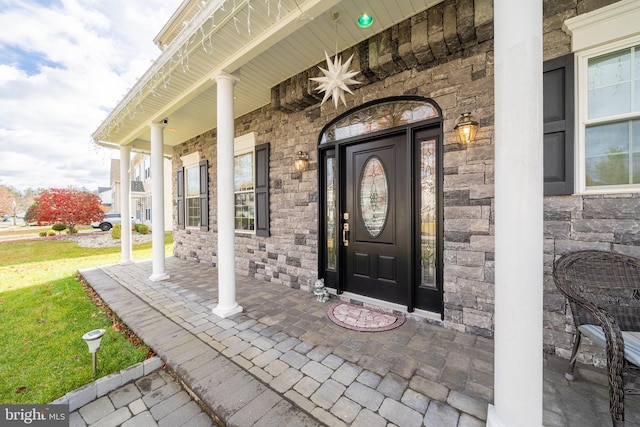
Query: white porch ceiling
[179, 85]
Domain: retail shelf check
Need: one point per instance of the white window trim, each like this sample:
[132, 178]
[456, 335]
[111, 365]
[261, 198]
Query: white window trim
[244, 143]
[617, 21]
[189, 161]
[607, 29]
[241, 145]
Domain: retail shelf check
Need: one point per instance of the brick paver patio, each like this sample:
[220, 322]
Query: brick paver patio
[283, 362]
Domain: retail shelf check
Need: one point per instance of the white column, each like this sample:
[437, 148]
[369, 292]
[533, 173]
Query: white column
[157, 203]
[519, 214]
[227, 304]
[125, 205]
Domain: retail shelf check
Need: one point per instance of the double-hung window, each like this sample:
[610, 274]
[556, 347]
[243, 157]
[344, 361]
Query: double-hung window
[147, 167]
[606, 44]
[251, 185]
[251, 189]
[611, 119]
[243, 182]
[244, 196]
[192, 193]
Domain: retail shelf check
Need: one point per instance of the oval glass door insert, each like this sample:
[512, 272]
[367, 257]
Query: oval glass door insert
[374, 196]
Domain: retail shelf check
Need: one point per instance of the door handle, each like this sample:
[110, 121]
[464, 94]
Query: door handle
[345, 234]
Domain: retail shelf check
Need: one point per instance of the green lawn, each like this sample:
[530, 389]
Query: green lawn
[45, 311]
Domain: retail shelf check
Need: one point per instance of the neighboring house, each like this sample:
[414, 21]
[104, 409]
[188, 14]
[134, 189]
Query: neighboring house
[141, 184]
[140, 189]
[106, 196]
[392, 209]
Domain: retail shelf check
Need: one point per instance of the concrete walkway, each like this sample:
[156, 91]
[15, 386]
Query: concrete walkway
[282, 362]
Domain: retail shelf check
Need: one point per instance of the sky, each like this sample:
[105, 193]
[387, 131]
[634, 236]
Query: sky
[64, 65]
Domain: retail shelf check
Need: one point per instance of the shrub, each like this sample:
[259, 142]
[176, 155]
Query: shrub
[51, 233]
[42, 234]
[142, 228]
[116, 231]
[58, 227]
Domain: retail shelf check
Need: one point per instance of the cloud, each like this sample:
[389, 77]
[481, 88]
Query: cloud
[63, 66]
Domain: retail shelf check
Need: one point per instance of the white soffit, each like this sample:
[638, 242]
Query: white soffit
[185, 13]
[179, 86]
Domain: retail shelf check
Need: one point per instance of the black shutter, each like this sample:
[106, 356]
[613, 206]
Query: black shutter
[262, 190]
[180, 197]
[558, 85]
[204, 195]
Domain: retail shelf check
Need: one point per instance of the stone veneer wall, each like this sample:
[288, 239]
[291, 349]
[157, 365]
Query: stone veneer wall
[421, 56]
[606, 222]
[446, 54]
[601, 222]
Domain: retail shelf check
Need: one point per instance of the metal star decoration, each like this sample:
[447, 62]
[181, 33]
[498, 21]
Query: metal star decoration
[336, 79]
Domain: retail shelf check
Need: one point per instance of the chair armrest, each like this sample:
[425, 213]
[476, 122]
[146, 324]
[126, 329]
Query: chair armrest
[614, 349]
[602, 287]
[615, 359]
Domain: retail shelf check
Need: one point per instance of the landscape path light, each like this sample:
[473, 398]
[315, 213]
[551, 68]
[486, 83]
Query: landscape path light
[93, 338]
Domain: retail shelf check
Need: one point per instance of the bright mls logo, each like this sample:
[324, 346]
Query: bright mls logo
[34, 415]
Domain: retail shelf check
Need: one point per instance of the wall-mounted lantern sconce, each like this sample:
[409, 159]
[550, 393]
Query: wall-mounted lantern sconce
[302, 161]
[93, 338]
[466, 128]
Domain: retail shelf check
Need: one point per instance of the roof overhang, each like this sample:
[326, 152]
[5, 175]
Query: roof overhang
[262, 42]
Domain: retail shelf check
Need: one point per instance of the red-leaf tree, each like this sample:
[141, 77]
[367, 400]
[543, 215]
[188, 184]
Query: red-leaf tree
[69, 207]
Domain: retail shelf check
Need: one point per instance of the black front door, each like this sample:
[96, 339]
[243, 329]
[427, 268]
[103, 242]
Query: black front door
[381, 203]
[375, 222]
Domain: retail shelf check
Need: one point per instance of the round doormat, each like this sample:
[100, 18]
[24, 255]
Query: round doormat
[362, 319]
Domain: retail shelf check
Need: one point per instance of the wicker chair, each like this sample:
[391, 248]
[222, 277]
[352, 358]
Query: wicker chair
[603, 290]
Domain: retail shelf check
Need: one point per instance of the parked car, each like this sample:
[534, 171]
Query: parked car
[109, 221]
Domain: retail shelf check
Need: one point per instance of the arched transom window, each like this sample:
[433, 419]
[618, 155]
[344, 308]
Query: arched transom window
[379, 116]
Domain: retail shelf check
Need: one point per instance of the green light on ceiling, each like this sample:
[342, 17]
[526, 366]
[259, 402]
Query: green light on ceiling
[365, 20]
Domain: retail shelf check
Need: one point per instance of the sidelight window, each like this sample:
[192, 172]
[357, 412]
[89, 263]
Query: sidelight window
[330, 212]
[428, 212]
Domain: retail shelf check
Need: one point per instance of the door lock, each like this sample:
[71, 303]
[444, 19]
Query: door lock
[345, 229]
[345, 234]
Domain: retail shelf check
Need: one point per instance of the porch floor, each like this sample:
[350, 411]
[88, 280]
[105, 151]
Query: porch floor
[283, 362]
